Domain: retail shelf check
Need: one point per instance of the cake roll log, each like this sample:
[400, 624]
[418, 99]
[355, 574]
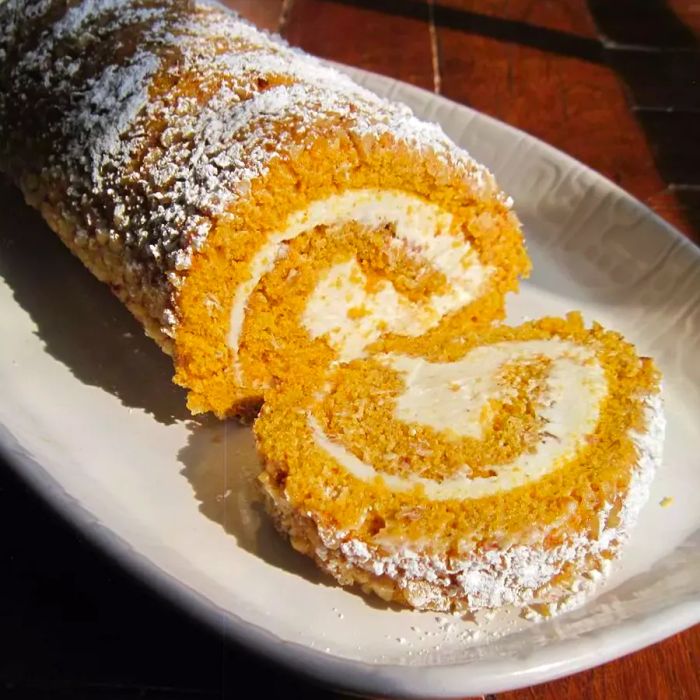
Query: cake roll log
[257, 211]
[504, 467]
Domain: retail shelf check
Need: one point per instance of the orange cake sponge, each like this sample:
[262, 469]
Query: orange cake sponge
[474, 471]
[257, 211]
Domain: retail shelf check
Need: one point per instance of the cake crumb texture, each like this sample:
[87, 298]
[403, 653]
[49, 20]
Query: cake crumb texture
[165, 140]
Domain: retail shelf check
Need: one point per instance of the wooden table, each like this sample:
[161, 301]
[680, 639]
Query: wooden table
[597, 80]
[614, 83]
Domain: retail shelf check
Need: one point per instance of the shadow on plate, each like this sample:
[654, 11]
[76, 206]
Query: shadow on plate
[221, 464]
[80, 322]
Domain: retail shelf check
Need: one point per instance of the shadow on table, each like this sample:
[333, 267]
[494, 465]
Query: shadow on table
[83, 627]
[81, 324]
[562, 43]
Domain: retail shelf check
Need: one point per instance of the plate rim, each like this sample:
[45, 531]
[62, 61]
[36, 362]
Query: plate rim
[544, 664]
[391, 680]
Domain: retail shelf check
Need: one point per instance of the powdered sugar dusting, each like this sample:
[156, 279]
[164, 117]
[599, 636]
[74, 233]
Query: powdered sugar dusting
[148, 170]
[117, 96]
[518, 574]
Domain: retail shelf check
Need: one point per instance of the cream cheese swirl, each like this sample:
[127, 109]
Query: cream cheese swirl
[423, 226]
[451, 397]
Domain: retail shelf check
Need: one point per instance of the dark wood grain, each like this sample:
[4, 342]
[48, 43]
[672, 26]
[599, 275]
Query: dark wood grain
[654, 24]
[358, 35]
[575, 104]
[688, 12]
[265, 14]
[666, 671]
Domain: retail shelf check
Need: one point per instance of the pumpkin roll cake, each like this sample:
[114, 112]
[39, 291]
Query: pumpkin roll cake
[258, 212]
[504, 466]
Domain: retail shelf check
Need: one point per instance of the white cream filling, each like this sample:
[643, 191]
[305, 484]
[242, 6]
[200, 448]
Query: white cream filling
[452, 396]
[423, 226]
[494, 577]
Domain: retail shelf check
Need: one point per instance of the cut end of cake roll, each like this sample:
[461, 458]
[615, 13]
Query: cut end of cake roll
[499, 467]
[256, 210]
[368, 225]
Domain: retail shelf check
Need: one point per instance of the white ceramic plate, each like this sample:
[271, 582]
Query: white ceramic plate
[88, 416]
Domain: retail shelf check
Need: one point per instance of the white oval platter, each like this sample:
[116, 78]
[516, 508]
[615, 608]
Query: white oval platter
[89, 418]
